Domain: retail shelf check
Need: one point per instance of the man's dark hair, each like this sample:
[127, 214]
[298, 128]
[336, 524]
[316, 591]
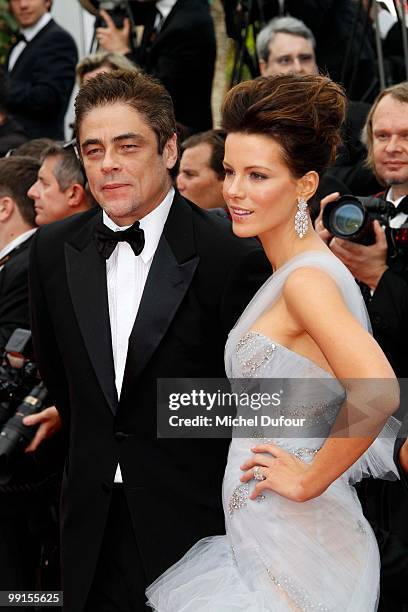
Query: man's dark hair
[216, 140]
[17, 174]
[68, 169]
[143, 93]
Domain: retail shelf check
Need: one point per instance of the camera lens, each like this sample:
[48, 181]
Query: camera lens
[346, 219]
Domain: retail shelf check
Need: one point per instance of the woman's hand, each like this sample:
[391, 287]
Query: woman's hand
[282, 472]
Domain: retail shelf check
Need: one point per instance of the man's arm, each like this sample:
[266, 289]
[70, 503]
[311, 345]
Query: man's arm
[46, 351]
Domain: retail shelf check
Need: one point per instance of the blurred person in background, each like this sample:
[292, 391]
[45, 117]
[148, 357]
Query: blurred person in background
[59, 190]
[93, 64]
[285, 45]
[41, 70]
[178, 47]
[201, 175]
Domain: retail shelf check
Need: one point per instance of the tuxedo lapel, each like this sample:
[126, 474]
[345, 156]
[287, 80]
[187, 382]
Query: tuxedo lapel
[29, 46]
[170, 276]
[86, 273]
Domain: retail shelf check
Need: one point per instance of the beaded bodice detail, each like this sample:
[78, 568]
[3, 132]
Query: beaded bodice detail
[308, 392]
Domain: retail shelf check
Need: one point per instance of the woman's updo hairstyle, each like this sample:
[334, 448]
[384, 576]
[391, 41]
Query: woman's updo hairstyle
[303, 114]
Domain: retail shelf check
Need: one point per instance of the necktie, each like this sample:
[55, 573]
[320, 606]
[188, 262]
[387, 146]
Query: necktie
[106, 239]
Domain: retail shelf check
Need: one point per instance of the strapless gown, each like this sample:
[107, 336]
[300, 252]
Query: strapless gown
[277, 554]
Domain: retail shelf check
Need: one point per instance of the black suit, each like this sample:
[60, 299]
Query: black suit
[200, 280]
[14, 310]
[41, 82]
[385, 505]
[182, 56]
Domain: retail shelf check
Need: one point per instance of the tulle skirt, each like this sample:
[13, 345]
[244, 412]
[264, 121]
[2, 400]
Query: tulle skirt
[279, 555]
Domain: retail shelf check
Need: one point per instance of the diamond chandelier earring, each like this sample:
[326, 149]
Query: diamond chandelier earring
[301, 218]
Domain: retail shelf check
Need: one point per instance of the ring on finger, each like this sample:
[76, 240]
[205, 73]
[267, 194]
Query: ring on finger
[258, 474]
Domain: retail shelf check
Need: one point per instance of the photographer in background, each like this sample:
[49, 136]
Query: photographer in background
[25, 501]
[382, 272]
[178, 47]
[381, 268]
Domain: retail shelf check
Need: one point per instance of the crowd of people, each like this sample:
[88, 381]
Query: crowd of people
[133, 248]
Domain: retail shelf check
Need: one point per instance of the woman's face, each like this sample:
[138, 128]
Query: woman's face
[259, 189]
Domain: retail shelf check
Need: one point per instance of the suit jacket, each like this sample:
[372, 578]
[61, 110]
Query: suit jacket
[199, 282]
[41, 82]
[182, 56]
[385, 505]
[14, 311]
[388, 309]
[12, 136]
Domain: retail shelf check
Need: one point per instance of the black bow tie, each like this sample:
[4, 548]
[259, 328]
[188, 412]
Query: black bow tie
[106, 239]
[403, 206]
[20, 38]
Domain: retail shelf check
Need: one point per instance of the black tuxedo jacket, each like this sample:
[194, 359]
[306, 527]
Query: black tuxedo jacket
[388, 309]
[182, 56]
[385, 505]
[14, 311]
[41, 82]
[200, 280]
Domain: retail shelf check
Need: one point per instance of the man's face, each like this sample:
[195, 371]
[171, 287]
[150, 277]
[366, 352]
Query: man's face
[390, 143]
[50, 203]
[126, 174]
[289, 53]
[28, 12]
[197, 181]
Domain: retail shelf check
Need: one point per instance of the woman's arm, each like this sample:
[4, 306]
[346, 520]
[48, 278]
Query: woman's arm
[316, 305]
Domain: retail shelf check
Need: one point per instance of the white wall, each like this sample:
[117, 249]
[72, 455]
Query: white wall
[79, 23]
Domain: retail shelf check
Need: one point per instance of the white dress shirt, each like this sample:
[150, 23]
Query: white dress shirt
[126, 279]
[29, 34]
[15, 243]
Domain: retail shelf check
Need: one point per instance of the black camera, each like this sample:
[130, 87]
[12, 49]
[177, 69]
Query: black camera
[21, 394]
[116, 9]
[351, 218]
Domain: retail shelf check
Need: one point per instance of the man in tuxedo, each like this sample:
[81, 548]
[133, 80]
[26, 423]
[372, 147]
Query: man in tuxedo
[382, 268]
[17, 226]
[109, 319]
[178, 47]
[41, 70]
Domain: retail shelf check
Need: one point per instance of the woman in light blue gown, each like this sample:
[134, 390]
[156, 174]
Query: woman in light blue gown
[296, 538]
